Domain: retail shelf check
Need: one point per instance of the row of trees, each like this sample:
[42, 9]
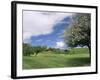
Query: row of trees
[78, 33]
[35, 50]
[30, 50]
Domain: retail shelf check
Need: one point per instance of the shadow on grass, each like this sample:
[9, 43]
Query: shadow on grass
[75, 62]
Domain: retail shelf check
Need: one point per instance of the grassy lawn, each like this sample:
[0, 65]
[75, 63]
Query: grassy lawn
[48, 59]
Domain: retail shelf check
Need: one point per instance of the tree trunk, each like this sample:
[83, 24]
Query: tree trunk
[89, 47]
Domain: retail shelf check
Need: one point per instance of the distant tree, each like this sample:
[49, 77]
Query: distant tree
[79, 31]
[27, 50]
[38, 49]
[32, 50]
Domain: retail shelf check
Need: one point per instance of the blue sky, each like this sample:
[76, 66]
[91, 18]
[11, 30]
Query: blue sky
[45, 28]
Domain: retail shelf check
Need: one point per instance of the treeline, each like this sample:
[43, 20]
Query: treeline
[29, 50]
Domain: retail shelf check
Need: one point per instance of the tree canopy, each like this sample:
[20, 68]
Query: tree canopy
[30, 50]
[78, 33]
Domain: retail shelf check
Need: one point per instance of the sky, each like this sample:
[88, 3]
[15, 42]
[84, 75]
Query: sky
[41, 28]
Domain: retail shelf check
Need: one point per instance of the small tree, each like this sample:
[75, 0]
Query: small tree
[38, 49]
[27, 50]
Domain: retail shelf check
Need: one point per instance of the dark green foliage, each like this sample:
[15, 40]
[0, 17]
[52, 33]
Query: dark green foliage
[27, 50]
[38, 49]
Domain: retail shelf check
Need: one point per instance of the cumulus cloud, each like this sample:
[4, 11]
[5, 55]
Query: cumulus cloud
[60, 44]
[40, 23]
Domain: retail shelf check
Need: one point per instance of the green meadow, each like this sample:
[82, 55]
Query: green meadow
[76, 57]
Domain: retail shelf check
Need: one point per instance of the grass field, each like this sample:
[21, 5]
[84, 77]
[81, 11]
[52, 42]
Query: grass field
[48, 59]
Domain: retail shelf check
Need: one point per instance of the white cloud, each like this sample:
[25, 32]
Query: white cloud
[39, 40]
[60, 44]
[40, 23]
